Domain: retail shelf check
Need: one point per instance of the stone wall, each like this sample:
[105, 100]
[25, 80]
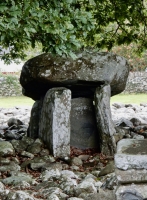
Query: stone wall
[10, 86]
[136, 83]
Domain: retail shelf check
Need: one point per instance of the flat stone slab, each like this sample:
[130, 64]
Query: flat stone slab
[84, 133]
[81, 76]
[131, 176]
[131, 192]
[131, 154]
[54, 127]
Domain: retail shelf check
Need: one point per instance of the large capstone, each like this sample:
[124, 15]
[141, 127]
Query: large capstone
[81, 76]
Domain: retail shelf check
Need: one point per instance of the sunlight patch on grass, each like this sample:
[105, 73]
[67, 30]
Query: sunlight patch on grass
[10, 102]
[129, 98]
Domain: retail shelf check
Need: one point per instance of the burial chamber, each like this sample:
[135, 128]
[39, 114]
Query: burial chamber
[74, 93]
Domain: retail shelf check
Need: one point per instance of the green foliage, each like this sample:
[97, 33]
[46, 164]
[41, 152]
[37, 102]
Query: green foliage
[9, 79]
[137, 63]
[61, 27]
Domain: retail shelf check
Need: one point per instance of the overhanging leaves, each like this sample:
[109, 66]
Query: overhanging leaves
[67, 25]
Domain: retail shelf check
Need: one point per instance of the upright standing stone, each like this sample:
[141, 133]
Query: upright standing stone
[34, 119]
[84, 132]
[54, 126]
[104, 121]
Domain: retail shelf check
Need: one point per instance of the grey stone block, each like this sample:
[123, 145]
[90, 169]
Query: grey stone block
[131, 154]
[131, 176]
[131, 192]
[34, 119]
[84, 133]
[54, 127]
[105, 124]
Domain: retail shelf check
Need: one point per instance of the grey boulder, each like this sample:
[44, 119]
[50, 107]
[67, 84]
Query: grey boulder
[89, 71]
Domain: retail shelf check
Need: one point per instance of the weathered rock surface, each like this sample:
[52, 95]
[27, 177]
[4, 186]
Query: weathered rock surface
[33, 176]
[130, 163]
[30, 172]
[91, 75]
[119, 112]
[131, 154]
[34, 119]
[21, 113]
[6, 148]
[54, 127]
[132, 192]
[108, 169]
[84, 133]
[82, 76]
[131, 175]
[105, 124]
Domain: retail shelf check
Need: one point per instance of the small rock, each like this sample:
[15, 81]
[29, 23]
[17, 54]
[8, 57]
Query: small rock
[110, 183]
[138, 137]
[53, 197]
[19, 145]
[76, 161]
[52, 165]
[2, 187]
[6, 148]
[75, 198]
[44, 152]
[17, 179]
[108, 169]
[28, 140]
[123, 122]
[118, 105]
[13, 166]
[46, 175]
[19, 195]
[34, 148]
[85, 187]
[27, 154]
[135, 121]
[4, 161]
[84, 157]
[13, 121]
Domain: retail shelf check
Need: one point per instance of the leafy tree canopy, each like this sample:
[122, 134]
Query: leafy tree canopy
[63, 26]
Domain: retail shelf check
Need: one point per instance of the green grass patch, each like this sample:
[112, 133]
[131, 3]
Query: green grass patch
[129, 98]
[10, 102]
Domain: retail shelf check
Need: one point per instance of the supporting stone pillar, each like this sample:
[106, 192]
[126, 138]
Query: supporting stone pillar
[34, 119]
[54, 128]
[84, 132]
[104, 121]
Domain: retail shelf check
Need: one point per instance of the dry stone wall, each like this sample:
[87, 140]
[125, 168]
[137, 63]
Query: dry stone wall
[136, 83]
[10, 86]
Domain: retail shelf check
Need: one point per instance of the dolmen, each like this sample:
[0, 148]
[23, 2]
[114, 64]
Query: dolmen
[72, 99]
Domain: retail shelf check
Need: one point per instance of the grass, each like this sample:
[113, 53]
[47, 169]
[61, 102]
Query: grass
[10, 102]
[131, 98]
